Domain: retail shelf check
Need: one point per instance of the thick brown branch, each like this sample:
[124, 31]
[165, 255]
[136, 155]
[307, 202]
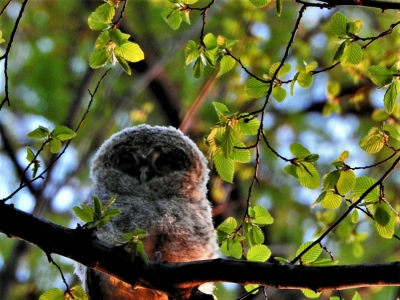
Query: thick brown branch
[168, 277]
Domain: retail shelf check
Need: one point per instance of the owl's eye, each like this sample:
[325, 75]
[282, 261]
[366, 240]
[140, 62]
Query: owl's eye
[127, 160]
[171, 161]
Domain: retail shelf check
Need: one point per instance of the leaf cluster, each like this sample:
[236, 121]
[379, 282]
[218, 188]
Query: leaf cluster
[348, 53]
[302, 166]
[212, 51]
[98, 215]
[75, 293]
[224, 142]
[135, 244]
[112, 45]
[232, 239]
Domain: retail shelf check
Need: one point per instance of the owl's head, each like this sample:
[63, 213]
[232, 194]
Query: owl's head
[146, 156]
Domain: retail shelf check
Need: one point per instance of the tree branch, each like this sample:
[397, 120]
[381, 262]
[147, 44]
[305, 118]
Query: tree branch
[179, 279]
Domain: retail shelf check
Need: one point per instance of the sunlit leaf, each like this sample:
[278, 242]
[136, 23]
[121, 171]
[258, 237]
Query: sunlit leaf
[259, 253]
[256, 88]
[240, 155]
[353, 27]
[331, 200]
[354, 216]
[55, 146]
[373, 142]
[386, 231]
[339, 53]
[352, 55]
[337, 24]
[260, 3]
[298, 150]
[380, 75]
[346, 182]
[390, 98]
[223, 165]
[282, 71]
[305, 80]
[312, 254]
[362, 185]
[63, 133]
[248, 124]
[382, 214]
[99, 58]
[392, 130]
[130, 51]
[79, 293]
[310, 294]
[226, 64]
[279, 93]
[191, 52]
[101, 17]
[52, 294]
[172, 16]
[262, 216]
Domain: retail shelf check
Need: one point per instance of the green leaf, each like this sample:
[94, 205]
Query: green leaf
[338, 23]
[279, 93]
[311, 255]
[186, 16]
[256, 88]
[364, 183]
[310, 293]
[382, 214]
[339, 53]
[172, 16]
[390, 98]
[283, 70]
[124, 64]
[79, 293]
[257, 234]
[380, 75]
[331, 200]
[373, 142]
[258, 253]
[99, 58]
[52, 294]
[39, 133]
[353, 27]
[356, 296]
[227, 63]
[102, 40]
[98, 206]
[191, 52]
[355, 217]
[308, 175]
[298, 150]
[228, 226]
[338, 162]
[55, 146]
[330, 180]
[30, 156]
[227, 142]
[222, 112]
[379, 115]
[251, 287]
[210, 41]
[305, 80]
[352, 55]
[291, 170]
[118, 37]
[386, 231]
[198, 68]
[346, 182]
[392, 130]
[231, 248]
[324, 262]
[260, 3]
[240, 155]
[63, 133]
[101, 17]
[333, 88]
[293, 83]
[248, 124]
[130, 51]
[85, 213]
[262, 216]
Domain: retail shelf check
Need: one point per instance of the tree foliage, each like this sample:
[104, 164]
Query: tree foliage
[296, 103]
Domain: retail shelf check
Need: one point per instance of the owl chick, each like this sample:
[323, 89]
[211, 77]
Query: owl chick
[158, 177]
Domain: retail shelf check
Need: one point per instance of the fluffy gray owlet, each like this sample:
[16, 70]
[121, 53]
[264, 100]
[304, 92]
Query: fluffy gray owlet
[159, 178]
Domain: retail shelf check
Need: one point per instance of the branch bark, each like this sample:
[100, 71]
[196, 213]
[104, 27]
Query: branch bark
[387, 4]
[179, 279]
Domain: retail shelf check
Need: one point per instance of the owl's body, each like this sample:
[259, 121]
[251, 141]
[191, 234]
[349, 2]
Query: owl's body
[158, 177]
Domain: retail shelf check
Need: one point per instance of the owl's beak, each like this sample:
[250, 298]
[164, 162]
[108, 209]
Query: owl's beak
[144, 174]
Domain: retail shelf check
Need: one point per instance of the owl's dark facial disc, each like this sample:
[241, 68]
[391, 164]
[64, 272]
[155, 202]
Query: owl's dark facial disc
[156, 163]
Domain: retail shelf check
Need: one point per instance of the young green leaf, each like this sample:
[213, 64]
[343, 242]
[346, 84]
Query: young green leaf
[311, 294]
[390, 98]
[101, 17]
[339, 53]
[55, 146]
[52, 294]
[240, 155]
[62, 133]
[226, 64]
[79, 293]
[39, 133]
[256, 88]
[99, 58]
[346, 182]
[352, 55]
[298, 150]
[30, 156]
[355, 217]
[248, 124]
[130, 52]
[259, 253]
[228, 226]
[191, 52]
[392, 130]
[356, 296]
[380, 75]
[311, 255]
[225, 166]
[260, 3]
[364, 183]
[261, 216]
[338, 23]
[373, 142]
[386, 231]
[85, 213]
[331, 200]
[282, 71]
[330, 180]
[279, 93]
[198, 68]
[308, 175]
[172, 16]
[382, 214]
[353, 27]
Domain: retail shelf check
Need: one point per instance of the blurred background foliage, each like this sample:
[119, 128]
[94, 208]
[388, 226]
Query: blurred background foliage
[49, 79]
